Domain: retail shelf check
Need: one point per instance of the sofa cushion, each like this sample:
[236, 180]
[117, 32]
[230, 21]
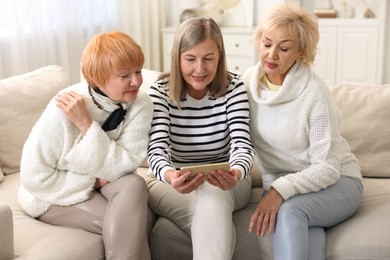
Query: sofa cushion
[23, 98]
[366, 234]
[366, 118]
[34, 239]
[149, 77]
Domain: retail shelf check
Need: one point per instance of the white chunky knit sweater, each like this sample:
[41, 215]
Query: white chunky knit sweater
[59, 166]
[296, 133]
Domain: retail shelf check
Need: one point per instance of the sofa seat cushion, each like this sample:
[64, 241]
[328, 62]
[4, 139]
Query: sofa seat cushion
[366, 234]
[34, 239]
[366, 118]
[168, 241]
[38, 240]
[23, 98]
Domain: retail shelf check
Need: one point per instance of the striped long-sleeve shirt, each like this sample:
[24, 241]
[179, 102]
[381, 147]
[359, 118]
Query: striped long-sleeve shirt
[203, 131]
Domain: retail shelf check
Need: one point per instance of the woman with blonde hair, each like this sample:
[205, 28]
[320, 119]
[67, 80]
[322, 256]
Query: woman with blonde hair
[310, 177]
[77, 167]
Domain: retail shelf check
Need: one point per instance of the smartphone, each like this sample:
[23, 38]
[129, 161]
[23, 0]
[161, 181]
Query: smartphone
[205, 168]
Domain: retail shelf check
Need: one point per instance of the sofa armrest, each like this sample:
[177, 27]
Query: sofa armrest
[7, 233]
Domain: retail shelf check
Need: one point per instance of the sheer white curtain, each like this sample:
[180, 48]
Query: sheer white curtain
[35, 33]
[143, 20]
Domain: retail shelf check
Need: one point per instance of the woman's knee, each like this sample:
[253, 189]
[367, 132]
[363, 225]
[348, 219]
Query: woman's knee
[135, 183]
[288, 210]
[128, 185]
[212, 197]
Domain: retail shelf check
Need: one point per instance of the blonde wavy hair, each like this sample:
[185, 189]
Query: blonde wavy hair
[298, 23]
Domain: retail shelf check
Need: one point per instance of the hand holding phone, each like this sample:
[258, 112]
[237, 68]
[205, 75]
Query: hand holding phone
[205, 168]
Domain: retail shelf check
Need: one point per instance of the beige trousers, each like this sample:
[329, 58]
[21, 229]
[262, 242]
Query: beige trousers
[205, 214]
[118, 211]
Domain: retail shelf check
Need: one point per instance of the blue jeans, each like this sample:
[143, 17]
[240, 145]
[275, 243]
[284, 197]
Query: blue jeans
[299, 232]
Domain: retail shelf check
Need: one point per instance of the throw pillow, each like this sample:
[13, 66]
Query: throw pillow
[366, 119]
[23, 99]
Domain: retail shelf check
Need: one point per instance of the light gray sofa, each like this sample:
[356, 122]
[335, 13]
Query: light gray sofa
[366, 111]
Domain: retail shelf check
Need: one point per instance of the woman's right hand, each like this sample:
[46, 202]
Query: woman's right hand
[100, 183]
[182, 183]
[75, 109]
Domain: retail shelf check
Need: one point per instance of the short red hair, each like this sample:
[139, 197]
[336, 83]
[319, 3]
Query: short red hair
[109, 52]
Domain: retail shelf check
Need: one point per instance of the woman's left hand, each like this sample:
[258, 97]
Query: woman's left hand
[224, 180]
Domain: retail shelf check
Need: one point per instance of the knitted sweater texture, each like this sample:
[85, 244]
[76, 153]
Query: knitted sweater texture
[296, 133]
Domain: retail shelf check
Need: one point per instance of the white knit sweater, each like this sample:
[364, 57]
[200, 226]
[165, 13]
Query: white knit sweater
[296, 133]
[58, 167]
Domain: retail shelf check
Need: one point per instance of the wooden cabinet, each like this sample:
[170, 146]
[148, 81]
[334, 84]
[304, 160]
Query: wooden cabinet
[350, 51]
[241, 52]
